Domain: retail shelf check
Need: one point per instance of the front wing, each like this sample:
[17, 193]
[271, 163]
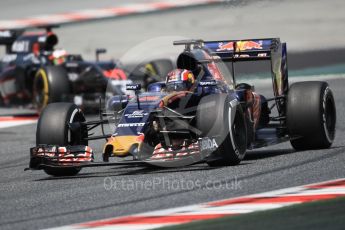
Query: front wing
[48, 156]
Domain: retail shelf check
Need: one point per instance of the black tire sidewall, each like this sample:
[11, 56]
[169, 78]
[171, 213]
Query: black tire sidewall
[213, 119]
[58, 85]
[52, 127]
[306, 108]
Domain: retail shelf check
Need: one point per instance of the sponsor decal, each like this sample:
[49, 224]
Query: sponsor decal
[21, 46]
[233, 103]
[123, 125]
[242, 56]
[5, 34]
[9, 58]
[262, 55]
[225, 46]
[42, 39]
[208, 144]
[208, 83]
[136, 114]
[73, 76]
[239, 46]
[148, 98]
[72, 64]
[133, 87]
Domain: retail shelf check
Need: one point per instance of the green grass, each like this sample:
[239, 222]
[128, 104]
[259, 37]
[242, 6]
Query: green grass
[320, 215]
[332, 69]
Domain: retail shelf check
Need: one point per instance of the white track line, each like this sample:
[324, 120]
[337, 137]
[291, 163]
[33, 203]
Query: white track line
[12, 121]
[92, 14]
[211, 210]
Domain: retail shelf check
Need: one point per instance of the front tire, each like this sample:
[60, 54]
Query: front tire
[217, 116]
[51, 84]
[311, 115]
[53, 129]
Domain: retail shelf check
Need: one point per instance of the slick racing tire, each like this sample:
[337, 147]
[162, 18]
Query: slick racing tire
[214, 115]
[157, 71]
[50, 85]
[311, 115]
[53, 129]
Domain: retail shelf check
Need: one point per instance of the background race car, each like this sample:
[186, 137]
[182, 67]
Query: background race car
[34, 73]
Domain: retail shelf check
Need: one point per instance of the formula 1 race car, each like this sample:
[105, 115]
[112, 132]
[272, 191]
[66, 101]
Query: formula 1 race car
[34, 72]
[199, 114]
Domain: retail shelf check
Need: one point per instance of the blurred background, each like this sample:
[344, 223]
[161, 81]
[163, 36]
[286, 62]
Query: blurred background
[306, 26]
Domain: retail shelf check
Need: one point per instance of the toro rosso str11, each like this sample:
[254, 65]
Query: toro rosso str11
[34, 72]
[199, 114]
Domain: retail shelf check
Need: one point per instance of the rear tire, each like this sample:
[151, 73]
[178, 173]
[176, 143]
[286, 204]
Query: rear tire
[51, 84]
[214, 114]
[311, 115]
[53, 129]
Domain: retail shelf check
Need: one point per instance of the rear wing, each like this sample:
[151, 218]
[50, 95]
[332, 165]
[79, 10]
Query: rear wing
[7, 37]
[242, 50]
[255, 50]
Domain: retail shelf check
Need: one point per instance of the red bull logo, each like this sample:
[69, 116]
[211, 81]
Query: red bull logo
[227, 46]
[239, 46]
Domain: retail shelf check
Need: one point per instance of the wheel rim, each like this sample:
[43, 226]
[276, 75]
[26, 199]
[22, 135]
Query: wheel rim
[41, 90]
[329, 118]
[76, 116]
[239, 134]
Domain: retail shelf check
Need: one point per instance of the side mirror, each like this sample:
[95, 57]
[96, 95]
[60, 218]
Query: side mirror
[98, 52]
[136, 88]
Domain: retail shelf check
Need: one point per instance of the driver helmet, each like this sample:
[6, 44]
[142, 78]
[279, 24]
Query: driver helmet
[180, 80]
[59, 56]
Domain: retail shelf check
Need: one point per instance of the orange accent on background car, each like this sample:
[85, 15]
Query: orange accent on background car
[36, 48]
[116, 74]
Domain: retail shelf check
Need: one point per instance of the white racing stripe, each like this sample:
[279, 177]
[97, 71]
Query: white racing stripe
[6, 122]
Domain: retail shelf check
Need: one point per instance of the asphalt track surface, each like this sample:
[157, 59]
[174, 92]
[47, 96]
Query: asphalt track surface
[31, 200]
